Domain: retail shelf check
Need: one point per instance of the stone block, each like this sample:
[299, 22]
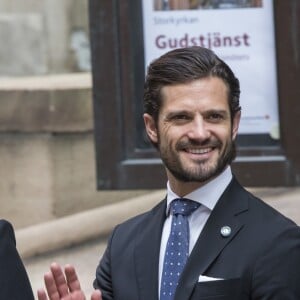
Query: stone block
[60, 103]
[26, 179]
[46, 176]
[74, 176]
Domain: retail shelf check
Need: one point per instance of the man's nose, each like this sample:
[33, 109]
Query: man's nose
[198, 130]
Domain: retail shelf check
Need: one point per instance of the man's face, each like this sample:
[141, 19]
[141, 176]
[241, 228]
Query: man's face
[194, 131]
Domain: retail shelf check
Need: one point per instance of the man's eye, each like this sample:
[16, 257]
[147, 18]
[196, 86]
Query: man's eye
[215, 117]
[180, 117]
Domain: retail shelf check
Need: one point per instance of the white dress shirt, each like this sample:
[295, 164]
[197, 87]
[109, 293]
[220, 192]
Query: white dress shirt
[207, 196]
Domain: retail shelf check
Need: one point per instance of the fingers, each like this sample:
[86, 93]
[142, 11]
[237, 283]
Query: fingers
[51, 287]
[59, 284]
[96, 295]
[72, 278]
[56, 283]
[62, 285]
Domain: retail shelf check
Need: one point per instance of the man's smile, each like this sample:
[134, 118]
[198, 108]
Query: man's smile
[199, 150]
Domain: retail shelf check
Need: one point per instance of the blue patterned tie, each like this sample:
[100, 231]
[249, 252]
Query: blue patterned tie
[177, 250]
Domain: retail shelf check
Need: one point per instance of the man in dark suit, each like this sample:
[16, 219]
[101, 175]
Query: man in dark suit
[209, 238]
[14, 283]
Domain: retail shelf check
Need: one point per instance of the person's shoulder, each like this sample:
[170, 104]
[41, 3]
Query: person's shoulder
[268, 216]
[261, 211]
[7, 234]
[268, 227]
[5, 223]
[6, 227]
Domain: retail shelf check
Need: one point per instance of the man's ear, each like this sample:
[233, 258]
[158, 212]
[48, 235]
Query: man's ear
[151, 128]
[235, 124]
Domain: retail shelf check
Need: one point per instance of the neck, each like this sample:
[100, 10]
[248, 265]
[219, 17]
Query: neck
[182, 188]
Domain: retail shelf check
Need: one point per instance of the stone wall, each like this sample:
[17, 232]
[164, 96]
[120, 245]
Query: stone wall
[47, 154]
[43, 37]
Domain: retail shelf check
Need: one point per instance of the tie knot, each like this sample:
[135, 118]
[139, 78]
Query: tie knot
[183, 206]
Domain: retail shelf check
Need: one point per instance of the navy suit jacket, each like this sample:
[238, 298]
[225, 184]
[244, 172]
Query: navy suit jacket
[260, 259]
[14, 283]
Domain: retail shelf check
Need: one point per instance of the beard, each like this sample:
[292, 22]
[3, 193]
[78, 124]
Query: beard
[202, 171]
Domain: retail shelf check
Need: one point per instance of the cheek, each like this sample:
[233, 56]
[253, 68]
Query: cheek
[165, 131]
[224, 135]
[172, 135]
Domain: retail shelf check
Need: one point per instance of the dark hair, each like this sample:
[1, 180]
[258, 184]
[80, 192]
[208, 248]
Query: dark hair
[184, 65]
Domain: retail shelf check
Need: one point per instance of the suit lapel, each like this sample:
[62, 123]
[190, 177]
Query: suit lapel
[147, 252]
[210, 243]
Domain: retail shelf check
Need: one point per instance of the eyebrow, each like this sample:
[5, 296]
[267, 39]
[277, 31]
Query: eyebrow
[177, 112]
[188, 112]
[218, 111]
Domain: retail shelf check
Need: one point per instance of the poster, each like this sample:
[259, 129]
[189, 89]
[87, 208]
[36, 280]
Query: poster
[241, 32]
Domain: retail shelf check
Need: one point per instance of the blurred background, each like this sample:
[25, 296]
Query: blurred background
[47, 153]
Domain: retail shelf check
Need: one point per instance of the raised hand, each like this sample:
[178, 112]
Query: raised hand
[63, 285]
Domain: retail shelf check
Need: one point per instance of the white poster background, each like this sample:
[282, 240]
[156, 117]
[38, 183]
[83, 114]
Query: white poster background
[251, 54]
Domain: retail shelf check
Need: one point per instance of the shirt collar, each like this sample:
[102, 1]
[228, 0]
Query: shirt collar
[207, 195]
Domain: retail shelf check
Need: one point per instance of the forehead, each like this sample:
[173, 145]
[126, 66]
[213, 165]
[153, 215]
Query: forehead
[204, 93]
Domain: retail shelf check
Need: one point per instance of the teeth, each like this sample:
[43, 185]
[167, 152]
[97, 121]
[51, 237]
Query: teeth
[199, 151]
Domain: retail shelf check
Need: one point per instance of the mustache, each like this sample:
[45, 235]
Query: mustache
[181, 145]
